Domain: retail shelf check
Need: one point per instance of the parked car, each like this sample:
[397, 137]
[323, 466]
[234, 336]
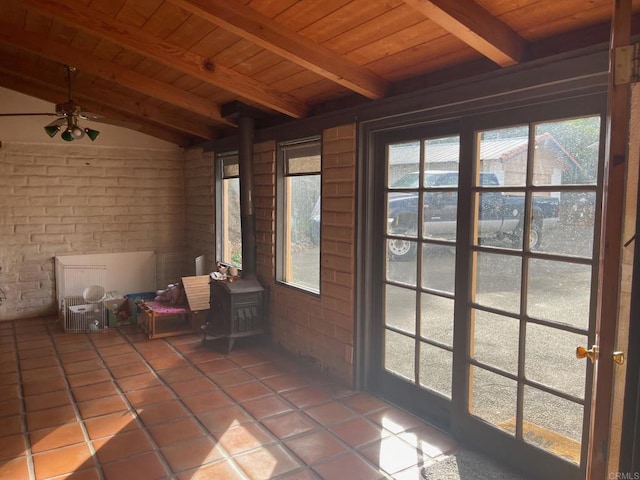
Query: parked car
[500, 214]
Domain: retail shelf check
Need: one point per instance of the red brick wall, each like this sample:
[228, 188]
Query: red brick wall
[318, 327]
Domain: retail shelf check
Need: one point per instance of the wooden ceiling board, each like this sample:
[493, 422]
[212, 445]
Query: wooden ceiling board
[215, 42]
[356, 13]
[109, 8]
[62, 33]
[137, 12]
[270, 8]
[35, 22]
[398, 43]
[84, 42]
[165, 20]
[391, 22]
[190, 32]
[13, 12]
[251, 61]
[150, 68]
[304, 13]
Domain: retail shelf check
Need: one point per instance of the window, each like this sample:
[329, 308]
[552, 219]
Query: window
[299, 211]
[228, 218]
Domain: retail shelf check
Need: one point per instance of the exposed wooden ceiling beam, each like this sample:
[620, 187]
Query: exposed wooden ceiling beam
[170, 55]
[251, 25]
[44, 92]
[476, 27]
[27, 69]
[65, 54]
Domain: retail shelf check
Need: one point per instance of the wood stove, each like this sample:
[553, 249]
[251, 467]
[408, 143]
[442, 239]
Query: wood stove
[237, 310]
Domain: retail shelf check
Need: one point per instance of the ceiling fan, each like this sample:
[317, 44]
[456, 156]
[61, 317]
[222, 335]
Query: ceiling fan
[68, 113]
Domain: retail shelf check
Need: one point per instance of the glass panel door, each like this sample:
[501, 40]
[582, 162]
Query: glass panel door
[421, 197]
[532, 282]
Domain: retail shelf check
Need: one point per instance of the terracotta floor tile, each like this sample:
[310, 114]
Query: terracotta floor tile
[154, 349]
[122, 445]
[217, 366]
[110, 424]
[15, 469]
[51, 417]
[124, 358]
[9, 391]
[36, 352]
[169, 433]
[222, 418]
[358, 432]
[266, 462]
[287, 381]
[74, 347]
[83, 366]
[364, 403]
[201, 356]
[203, 402]
[329, 413]
[81, 356]
[264, 371]
[89, 378]
[193, 386]
[222, 470]
[244, 437]
[119, 349]
[191, 453]
[331, 389]
[43, 372]
[430, 440]
[142, 467]
[12, 446]
[266, 406]
[179, 374]
[161, 412]
[10, 378]
[169, 361]
[315, 446]
[62, 460]
[108, 339]
[13, 406]
[247, 391]
[392, 455]
[306, 397]
[348, 466]
[56, 437]
[250, 359]
[40, 343]
[138, 382]
[129, 369]
[43, 386]
[102, 406]
[232, 377]
[149, 396]
[305, 474]
[11, 424]
[395, 420]
[8, 366]
[289, 424]
[38, 362]
[93, 391]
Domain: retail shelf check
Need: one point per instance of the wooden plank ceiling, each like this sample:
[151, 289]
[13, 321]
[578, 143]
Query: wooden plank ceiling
[167, 67]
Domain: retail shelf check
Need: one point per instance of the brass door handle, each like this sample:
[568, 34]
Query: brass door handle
[591, 354]
[618, 357]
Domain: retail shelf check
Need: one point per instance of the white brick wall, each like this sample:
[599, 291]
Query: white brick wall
[68, 199]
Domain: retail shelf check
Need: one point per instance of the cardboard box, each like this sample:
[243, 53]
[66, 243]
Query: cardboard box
[120, 311]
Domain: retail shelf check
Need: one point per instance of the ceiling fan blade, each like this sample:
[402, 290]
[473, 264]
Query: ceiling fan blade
[50, 114]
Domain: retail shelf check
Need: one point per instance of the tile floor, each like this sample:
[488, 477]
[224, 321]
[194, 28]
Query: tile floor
[115, 405]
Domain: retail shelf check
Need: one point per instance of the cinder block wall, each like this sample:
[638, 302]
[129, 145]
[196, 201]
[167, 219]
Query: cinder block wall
[68, 199]
[199, 178]
[317, 327]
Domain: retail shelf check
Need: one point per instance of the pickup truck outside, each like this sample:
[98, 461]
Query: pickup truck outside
[500, 215]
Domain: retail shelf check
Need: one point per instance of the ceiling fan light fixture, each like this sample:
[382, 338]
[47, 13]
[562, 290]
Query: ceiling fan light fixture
[91, 133]
[67, 136]
[52, 130]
